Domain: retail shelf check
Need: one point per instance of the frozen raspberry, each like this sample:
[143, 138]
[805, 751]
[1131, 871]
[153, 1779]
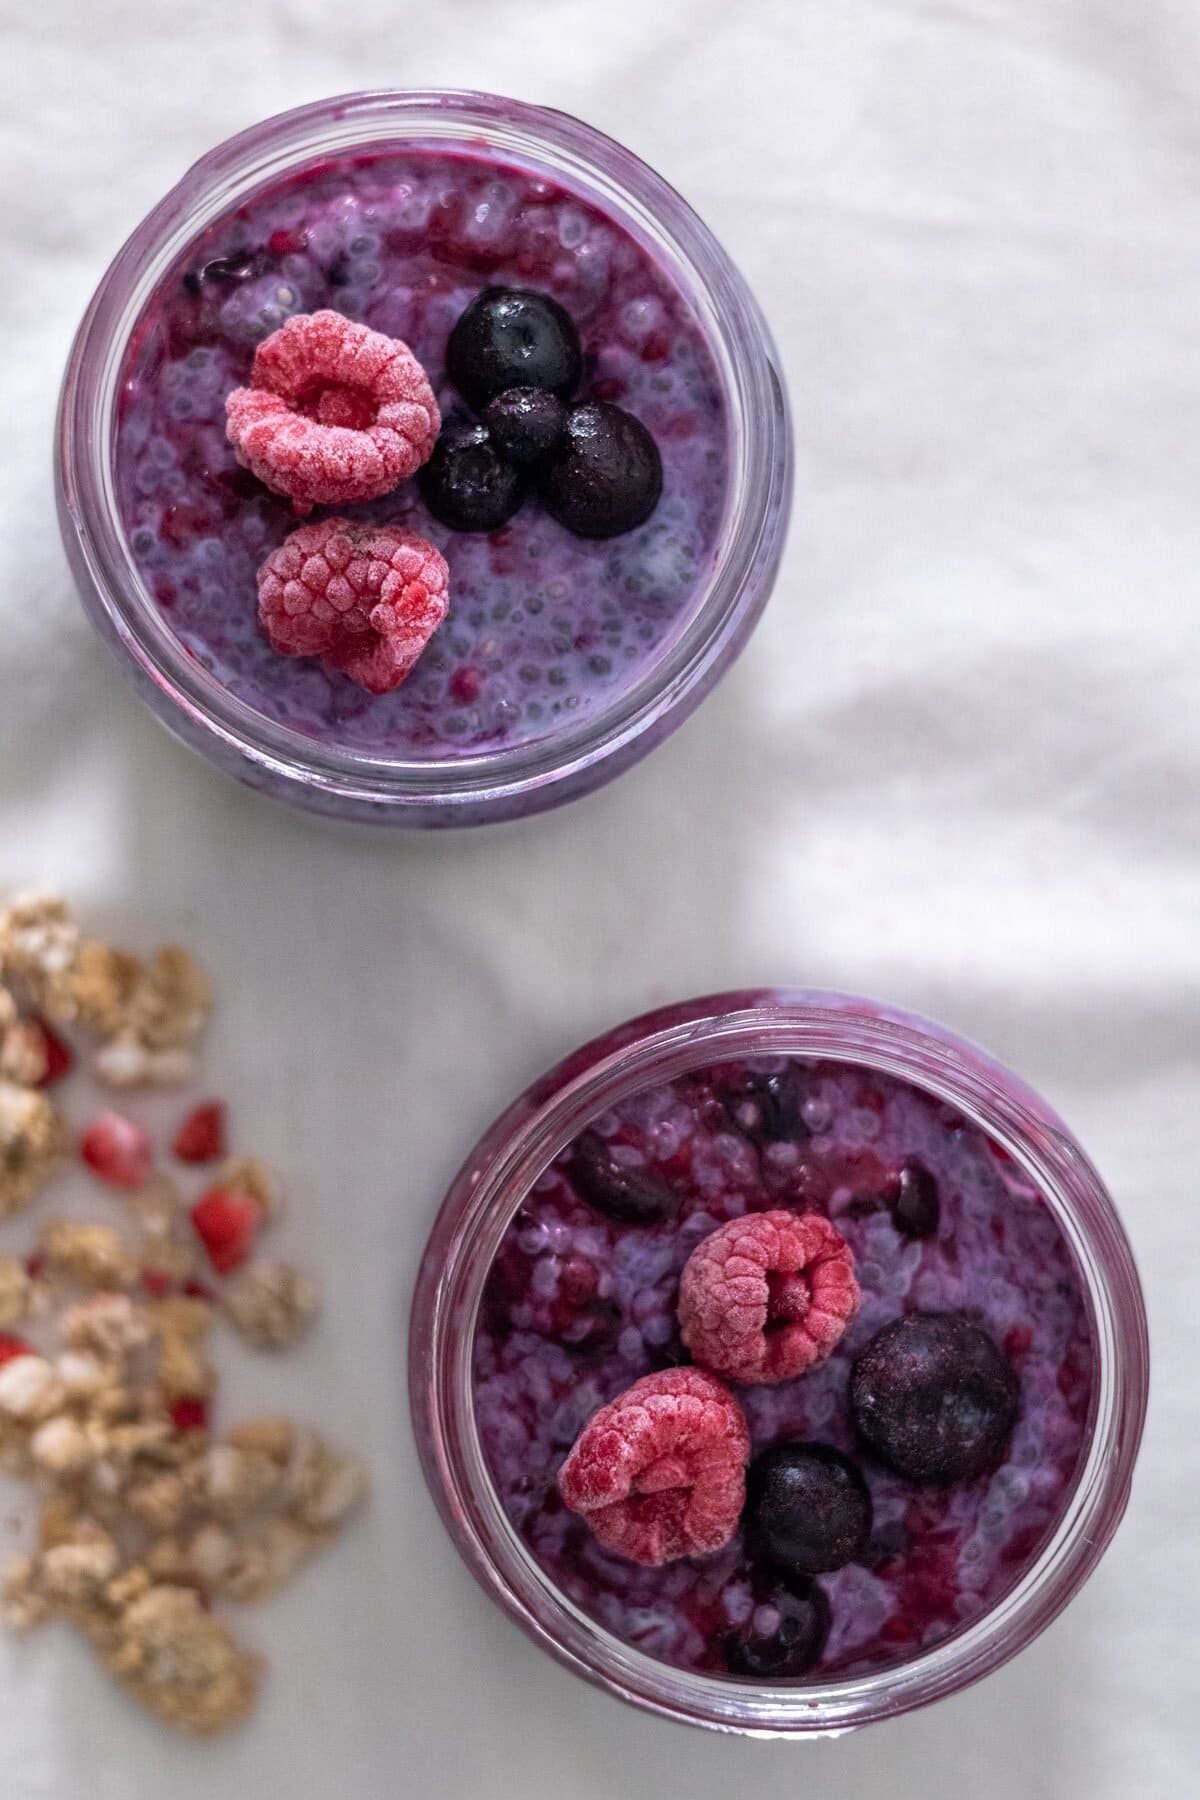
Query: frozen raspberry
[226, 1223]
[201, 1137]
[366, 599]
[660, 1472]
[334, 412]
[118, 1151]
[767, 1296]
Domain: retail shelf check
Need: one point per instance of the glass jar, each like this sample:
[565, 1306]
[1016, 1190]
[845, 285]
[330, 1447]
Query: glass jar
[662, 1046]
[491, 783]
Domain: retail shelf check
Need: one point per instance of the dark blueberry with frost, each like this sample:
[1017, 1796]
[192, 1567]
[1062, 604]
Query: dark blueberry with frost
[632, 1196]
[466, 483]
[606, 475]
[809, 1509]
[526, 423]
[767, 1108]
[934, 1397]
[513, 337]
[784, 1635]
[917, 1206]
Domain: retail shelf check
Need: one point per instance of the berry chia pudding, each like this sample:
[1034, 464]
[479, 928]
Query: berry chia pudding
[785, 1370]
[600, 514]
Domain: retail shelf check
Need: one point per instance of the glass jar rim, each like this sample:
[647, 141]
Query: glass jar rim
[738, 339]
[668, 1042]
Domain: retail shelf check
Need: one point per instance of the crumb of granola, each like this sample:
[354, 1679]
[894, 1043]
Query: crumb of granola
[30, 1144]
[272, 1305]
[184, 1371]
[74, 1570]
[108, 1325]
[231, 1482]
[258, 1179]
[271, 1437]
[259, 1566]
[167, 1257]
[83, 1375]
[103, 983]
[181, 1662]
[39, 940]
[173, 1000]
[158, 1501]
[323, 1488]
[30, 1389]
[126, 1062]
[91, 1256]
[62, 1446]
[16, 1292]
[24, 1056]
[22, 1602]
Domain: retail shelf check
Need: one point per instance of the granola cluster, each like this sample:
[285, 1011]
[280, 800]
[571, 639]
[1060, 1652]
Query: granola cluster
[148, 1516]
[148, 1016]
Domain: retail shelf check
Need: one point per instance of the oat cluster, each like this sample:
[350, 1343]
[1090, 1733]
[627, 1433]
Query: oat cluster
[108, 1379]
[146, 1017]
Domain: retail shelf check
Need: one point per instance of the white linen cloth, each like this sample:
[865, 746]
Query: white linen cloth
[957, 767]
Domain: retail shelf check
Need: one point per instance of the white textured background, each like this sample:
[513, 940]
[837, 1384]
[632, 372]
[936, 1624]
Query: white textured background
[958, 767]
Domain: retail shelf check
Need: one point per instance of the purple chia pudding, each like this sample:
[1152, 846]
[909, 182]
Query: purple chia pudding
[544, 627]
[577, 1306]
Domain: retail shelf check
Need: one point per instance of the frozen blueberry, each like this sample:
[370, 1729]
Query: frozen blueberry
[605, 476]
[466, 483]
[809, 1508]
[934, 1397]
[916, 1207]
[767, 1108]
[785, 1633]
[633, 1196]
[525, 422]
[512, 337]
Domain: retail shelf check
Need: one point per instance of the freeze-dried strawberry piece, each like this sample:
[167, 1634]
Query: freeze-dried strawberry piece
[660, 1472]
[11, 1347]
[201, 1137]
[59, 1057]
[189, 1413]
[334, 412]
[366, 599]
[118, 1151]
[767, 1296]
[226, 1223]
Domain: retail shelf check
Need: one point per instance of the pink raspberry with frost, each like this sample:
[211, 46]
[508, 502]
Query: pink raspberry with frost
[366, 599]
[660, 1472]
[334, 412]
[767, 1296]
